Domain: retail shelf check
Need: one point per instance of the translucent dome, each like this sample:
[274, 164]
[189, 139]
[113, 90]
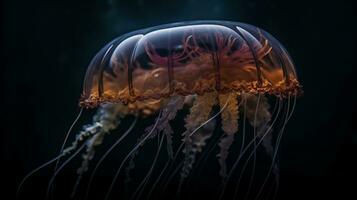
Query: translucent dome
[189, 58]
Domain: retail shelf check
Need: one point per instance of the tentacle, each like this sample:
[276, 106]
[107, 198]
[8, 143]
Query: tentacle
[67, 135]
[57, 159]
[274, 165]
[153, 187]
[104, 156]
[199, 113]
[201, 162]
[106, 119]
[260, 119]
[168, 167]
[261, 123]
[230, 126]
[252, 118]
[197, 118]
[39, 168]
[245, 149]
[142, 185]
[130, 154]
[200, 138]
[103, 122]
[205, 133]
[168, 113]
[257, 110]
[261, 136]
[168, 180]
[60, 168]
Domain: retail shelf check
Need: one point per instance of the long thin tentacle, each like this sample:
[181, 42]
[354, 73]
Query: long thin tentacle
[257, 107]
[168, 113]
[153, 187]
[168, 180]
[128, 156]
[67, 135]
[106, 154]
[205, 153]
[272, 152]
[169, 164]
[243, 152]
[267, 128]
[36, 170]
[60, 168]
[105, 120]
[273, 167]
[277, 178]
[141, 186]
[66, 138]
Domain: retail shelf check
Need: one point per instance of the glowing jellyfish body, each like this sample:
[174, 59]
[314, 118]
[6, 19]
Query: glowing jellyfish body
[189, 58]
[201, 64]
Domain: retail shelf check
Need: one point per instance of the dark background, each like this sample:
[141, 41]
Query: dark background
[47, 45]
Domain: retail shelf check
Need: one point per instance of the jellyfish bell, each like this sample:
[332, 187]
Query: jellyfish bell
[201, 65]
[189, 58]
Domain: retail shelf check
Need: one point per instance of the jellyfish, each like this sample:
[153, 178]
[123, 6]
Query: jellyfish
[224, 73]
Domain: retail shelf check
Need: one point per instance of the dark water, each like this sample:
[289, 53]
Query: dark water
[47, 45]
